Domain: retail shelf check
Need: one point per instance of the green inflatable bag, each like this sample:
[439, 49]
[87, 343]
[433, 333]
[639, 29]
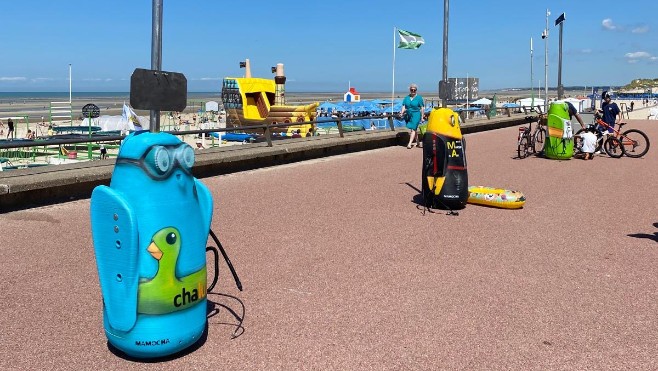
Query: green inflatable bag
[559, 141]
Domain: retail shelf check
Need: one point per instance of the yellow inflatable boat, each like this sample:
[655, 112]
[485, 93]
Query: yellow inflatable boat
[495, 197]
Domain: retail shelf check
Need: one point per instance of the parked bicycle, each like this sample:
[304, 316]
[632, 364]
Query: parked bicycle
[529, 140]
[632, 143]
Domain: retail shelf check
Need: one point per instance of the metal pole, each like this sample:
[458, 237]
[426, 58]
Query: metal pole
[446, 13]
[560, 90]
[546, 63]
[156, 55]
[70, 91]
[532, 86]
[70, 96]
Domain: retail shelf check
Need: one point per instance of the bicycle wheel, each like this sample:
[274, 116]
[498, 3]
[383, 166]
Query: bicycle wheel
[523, 147]
[613, 147]
[635, 143]
[538, 140]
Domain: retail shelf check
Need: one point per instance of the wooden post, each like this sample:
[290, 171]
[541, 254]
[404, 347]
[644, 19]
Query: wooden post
[268, 135]
[339, 124]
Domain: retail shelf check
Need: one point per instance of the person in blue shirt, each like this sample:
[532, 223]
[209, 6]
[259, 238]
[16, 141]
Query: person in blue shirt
[610, 110]
[574, 112]
[412, 112]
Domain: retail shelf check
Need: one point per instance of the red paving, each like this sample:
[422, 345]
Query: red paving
[342, 271]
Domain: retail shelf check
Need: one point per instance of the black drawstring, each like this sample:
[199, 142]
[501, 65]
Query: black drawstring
[228, 262]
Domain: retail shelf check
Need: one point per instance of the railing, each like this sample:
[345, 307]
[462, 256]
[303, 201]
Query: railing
[267, 130]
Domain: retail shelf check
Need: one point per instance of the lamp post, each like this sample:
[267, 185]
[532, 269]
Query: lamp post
[560, 88]
[443, 88]
[544, 36]
[532, 86]
[156, 55]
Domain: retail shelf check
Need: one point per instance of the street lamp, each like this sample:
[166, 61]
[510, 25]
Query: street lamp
[544, 36]
[560, 88]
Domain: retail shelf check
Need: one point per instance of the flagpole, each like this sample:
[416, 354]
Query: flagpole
[393, 89]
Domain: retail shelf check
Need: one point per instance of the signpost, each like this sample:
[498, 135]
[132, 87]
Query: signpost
[90, 111]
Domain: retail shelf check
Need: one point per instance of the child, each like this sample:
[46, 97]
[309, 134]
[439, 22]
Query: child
[589, 142]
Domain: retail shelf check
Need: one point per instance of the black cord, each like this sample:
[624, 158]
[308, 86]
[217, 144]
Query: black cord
[228, 261]
[216, 276]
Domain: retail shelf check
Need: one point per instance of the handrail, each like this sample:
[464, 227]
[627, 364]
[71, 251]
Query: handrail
[266, 128]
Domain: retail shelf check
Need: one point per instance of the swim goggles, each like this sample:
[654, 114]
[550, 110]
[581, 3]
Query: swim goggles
[159, 161]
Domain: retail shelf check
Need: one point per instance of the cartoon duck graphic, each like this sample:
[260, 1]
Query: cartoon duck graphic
[166, 293]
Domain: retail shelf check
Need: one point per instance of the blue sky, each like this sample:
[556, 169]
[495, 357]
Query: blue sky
[324, 45]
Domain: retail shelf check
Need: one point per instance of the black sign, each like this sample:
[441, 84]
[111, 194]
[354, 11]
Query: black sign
[91, 111]
[560, 19]
[158, 90]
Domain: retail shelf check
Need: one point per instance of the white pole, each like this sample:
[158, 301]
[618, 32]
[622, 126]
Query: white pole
[70, 94]
[467, 91]
[393, 89]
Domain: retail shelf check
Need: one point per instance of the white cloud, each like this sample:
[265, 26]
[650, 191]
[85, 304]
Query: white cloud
[608, 25]
[640, 29]
[12, 79]
[635, 57]
[638, 55]
[209, 79]
[92, 79]
[586, 51]
[41, 79]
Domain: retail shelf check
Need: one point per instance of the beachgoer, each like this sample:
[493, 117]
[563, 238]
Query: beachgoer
[10, 127]
[611, 112]
[30, 134]
[632, 105]
[51, 132]
[103, 152]
[574, 112]
[588, 143]
[412, 108]
[297, 134]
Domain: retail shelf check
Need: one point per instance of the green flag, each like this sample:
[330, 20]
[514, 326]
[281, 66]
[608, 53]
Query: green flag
[410, 40]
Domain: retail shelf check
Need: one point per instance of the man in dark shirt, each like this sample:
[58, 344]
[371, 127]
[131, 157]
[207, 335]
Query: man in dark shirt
[611, 112]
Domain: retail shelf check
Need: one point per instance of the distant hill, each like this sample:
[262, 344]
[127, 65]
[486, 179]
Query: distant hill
[641, 84]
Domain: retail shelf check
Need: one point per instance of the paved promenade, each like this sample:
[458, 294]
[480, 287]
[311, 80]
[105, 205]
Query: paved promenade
[342, 270]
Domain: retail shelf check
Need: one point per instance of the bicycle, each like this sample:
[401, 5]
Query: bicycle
[611, 145]
[527, 139]
[633, 143]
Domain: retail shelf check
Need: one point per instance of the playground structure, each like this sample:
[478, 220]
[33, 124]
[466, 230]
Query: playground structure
[61, 110]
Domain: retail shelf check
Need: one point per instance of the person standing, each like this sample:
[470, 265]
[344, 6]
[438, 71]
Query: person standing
[571, 109]
[611, 112]
[412, 112]
[10, 127]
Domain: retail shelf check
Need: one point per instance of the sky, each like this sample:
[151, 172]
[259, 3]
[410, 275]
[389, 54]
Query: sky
[325, 46]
